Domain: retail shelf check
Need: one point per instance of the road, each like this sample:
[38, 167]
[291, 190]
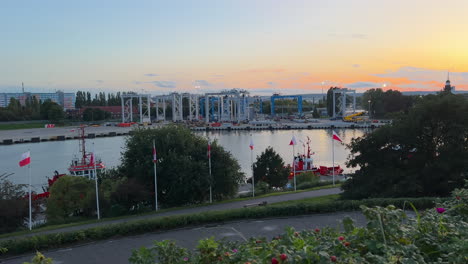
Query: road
[119, 250]
[201, 209]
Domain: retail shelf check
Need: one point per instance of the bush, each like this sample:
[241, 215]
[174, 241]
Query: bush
[261, 187]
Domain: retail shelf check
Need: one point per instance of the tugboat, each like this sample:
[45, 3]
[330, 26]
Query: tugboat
[85, 165]
[305, 163]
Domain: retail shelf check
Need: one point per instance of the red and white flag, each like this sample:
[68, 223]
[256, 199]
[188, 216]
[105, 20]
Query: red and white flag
[251, 146]
[336, 137]
[155, 159]
[209, 149]
[91, 160]
[25, 159]
[293, 141]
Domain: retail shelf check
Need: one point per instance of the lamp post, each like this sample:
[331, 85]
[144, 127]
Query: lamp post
[369, 108]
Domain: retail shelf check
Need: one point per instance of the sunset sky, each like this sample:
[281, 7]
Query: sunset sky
[263, 46]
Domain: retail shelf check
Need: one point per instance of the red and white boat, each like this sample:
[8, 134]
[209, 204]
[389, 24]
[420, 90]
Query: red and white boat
[305, 163]
[84, 165]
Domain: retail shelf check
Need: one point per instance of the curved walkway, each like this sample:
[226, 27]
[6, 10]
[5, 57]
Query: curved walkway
[200, 209]
[119, 250]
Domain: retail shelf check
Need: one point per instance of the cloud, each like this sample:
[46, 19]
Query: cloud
[218, 76]
[271, 83]
[357, 85]
[99, 81]
[353, 35]
[425, 78]
[356, 65]
[151, 75]
[165, 84]
[358, 36]
[137, 82]
[202, 83]
[277, 70]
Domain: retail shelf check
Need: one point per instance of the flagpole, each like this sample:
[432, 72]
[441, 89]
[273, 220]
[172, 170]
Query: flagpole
[209, 168]
[96, 182]
[333, 159]
[155, 180]
[294, 167]
[251, 164]
[30, 208]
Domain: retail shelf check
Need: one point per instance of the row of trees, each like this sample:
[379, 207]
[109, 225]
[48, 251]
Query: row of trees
[31, 110]
[383, 104]
[100, 99]
[422, 153]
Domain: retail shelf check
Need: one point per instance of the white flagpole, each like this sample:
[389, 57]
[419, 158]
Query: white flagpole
[96, 183]
[209, 168]
[30, 208]
[294, 167]
[251, 164]
[333, 159]
[155, 179]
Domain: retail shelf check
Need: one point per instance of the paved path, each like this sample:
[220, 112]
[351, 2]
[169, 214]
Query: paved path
[215, 207]
[119, 250]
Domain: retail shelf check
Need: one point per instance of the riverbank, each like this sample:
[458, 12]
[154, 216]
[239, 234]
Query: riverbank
[37, 135]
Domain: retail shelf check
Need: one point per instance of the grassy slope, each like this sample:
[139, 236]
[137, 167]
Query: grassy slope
[129, 217]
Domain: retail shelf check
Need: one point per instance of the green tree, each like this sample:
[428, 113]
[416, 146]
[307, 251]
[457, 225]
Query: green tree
[14, 206]
[182, 169]
[269, 167]
[423, 153]
[55, 113]
[315, 113]
[70, 196]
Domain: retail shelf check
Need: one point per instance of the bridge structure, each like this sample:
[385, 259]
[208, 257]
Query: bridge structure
[274, 97]
[340, 101]
[144, 106]
[230, 105]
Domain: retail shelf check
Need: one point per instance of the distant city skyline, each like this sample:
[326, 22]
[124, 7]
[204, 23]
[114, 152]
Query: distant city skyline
[263, 46]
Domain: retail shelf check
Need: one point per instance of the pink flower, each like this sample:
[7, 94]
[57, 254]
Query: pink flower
[317, 230]
[185, 259]
[333, 258]
[274, 261]
[235, 250]
[283, 257]
[440, 210]
[341, 238]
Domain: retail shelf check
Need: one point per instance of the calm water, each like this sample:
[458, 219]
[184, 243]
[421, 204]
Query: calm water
[50, 156]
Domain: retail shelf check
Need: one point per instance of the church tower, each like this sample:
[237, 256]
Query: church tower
[448, 87]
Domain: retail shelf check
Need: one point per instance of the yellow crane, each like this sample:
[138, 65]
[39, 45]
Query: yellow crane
[353, 117]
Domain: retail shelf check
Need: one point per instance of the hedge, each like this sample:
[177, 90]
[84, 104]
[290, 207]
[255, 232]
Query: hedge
[293, 208]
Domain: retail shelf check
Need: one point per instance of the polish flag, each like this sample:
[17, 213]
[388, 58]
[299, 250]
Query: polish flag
[251, 146]
[155, 159]
[91, 160]
[293, 141]
[336, 137]
[25, 159]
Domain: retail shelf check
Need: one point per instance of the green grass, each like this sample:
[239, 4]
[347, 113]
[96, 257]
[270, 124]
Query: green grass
[91, 221]
[21, 126]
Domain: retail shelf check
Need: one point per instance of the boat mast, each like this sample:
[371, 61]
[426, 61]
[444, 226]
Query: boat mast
[83, 144]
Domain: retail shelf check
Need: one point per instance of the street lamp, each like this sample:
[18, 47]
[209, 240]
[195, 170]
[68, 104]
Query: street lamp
[369, 108]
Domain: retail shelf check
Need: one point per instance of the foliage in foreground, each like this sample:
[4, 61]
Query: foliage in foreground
[289, 208]
[437, 235]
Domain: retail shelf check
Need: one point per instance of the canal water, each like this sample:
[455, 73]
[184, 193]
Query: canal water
[46, 157]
